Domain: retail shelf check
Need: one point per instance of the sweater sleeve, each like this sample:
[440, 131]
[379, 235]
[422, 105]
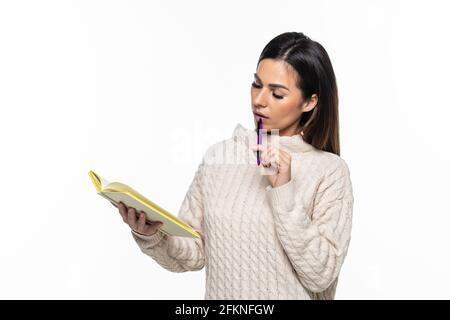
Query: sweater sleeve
[180, 254]
[316, 243]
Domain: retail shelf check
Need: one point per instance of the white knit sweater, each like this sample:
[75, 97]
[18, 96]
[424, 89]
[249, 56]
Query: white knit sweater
[260, 242]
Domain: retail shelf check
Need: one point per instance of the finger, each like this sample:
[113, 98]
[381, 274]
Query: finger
[152, 228]
[132, 218]
[285, 159]
[267, 163]
[272, 161]
[265, 155]
[280, 151]
[259, 147]
[283, 166]
[264, 161]
[276, 156]
[123, 211]
[279, 157]
[271, 152]
[273, 156]
[141, 222]
[265, 152]
[268, 151]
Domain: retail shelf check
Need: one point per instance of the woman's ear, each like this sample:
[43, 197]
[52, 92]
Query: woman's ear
[311, 103]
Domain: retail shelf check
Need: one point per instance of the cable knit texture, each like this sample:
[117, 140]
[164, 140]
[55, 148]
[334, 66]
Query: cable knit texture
[259, 242]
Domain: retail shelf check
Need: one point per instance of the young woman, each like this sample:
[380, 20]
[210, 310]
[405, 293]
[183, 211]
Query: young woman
[276, 236]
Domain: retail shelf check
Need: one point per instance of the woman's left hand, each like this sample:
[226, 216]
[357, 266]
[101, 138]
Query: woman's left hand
[281, 159]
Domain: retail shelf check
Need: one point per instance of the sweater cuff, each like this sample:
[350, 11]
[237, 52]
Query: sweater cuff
[282, 197]
[150, 241]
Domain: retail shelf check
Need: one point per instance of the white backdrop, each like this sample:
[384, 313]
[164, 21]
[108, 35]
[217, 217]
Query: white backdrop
[137, 91]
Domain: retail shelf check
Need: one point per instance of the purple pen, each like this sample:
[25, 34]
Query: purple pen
[259, 140]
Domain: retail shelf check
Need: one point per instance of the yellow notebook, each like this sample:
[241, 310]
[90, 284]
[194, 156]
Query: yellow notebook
[118, 192]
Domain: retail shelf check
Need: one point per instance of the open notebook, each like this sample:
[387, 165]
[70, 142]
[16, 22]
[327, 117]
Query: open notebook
[117, 192]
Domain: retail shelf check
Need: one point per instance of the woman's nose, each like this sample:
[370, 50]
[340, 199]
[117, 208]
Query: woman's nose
[260, 98]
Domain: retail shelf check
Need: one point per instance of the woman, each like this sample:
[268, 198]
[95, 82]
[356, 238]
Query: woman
[269, 236]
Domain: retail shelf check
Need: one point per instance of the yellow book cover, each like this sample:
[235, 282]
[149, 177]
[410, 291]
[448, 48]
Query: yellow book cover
[117, 192]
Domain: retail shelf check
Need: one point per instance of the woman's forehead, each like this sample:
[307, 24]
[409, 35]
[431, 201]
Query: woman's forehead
[276, 71]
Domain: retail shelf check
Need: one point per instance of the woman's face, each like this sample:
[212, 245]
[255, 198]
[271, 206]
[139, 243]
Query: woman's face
[275, 95]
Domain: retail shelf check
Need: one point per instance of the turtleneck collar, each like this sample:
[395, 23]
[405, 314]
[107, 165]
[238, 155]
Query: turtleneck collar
[293, 144]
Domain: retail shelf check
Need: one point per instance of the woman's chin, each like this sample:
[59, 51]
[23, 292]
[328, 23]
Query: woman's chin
[265, 125]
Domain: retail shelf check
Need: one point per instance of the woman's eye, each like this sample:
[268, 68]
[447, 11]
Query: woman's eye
[258, 86]
[277, 96]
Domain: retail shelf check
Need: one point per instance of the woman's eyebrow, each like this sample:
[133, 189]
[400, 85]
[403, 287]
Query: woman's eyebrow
[274, 85]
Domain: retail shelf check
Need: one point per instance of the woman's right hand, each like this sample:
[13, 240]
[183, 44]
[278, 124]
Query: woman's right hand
[137, 222]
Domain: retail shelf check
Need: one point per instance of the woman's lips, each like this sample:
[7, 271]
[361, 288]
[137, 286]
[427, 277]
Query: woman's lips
[260, 116]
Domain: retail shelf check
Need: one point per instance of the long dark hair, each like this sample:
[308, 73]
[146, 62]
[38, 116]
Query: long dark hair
[320, 126]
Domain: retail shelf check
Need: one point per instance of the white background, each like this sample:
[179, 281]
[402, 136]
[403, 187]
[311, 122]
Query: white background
[137, 91]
